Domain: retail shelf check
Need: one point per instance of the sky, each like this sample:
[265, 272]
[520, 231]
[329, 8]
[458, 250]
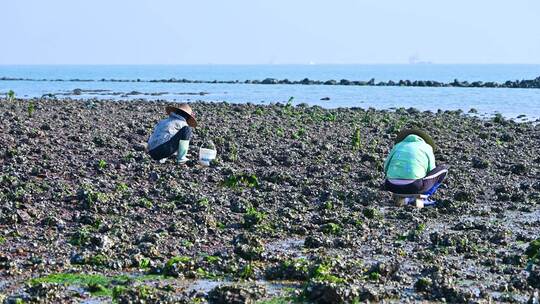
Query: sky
[269, 32]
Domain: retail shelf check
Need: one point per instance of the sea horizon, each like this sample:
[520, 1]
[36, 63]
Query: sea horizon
[137, 83]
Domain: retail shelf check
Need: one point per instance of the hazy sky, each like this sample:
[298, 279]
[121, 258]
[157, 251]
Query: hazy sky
[271, 31]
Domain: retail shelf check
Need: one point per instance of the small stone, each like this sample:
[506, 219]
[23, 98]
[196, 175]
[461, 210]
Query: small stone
[519, 169]
[236, 294]
[139, 147]
[479, 163]
[153, 176]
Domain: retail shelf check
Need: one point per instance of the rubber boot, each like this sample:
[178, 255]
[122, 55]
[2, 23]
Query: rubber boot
[183, 147]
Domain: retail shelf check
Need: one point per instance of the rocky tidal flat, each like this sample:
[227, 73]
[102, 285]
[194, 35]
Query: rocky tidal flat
[291, 211]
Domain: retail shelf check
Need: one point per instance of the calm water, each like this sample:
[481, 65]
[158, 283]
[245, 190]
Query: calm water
[510, 102]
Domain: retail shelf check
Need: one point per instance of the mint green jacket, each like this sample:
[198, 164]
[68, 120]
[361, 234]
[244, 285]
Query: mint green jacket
[412, 158]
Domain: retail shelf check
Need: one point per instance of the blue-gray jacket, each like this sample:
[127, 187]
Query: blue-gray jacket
[165, 129]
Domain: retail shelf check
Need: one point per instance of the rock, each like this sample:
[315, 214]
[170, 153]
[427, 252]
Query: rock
[78, 258]
[325, 292]
[153, 176]
[46, 292]
[317, 241]
[269, 81]
[306, 81]
[145, 294]
[102, 242]
[179, 267]
[6, 262]
[248, 246]
[293, 270]
[479, 163]
[236, 294]
[506, 137]
[463, 196]
[534, 277]
[385, 269]
[139, 147]
[23, 216]
[239, 206]
[519, 169]
[423, 284]
[534, 298]
[45, 127]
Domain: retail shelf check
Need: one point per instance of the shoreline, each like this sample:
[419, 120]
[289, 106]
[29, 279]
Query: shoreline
[521, 84]
[79, 194]
[101, 95]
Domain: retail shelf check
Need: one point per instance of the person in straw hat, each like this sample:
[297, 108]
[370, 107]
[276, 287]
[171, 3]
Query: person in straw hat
[173, 133]
[410, 167]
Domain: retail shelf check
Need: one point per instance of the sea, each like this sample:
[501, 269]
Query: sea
[521, 104]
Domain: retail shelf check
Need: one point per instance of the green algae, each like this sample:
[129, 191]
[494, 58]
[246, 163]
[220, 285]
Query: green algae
[323, 273]
[96, 284]
[79, 279]
[253, 217]
[533, 250]
[238, 180]
[178, 259]
[281, 300]
[183, 262]
[331, 228]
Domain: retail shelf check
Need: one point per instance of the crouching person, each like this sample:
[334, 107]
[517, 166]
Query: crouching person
[173, 134]
[411, 173]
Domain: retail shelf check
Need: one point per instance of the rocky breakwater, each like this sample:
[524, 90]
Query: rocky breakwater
[523, 84]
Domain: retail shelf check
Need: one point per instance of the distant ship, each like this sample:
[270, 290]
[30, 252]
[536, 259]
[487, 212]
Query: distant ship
[414, 59]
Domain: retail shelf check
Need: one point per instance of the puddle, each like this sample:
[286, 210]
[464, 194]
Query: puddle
[291, 246]
[512, 220]
[100, 300]
[508, 297]
[204, 285]
[274, 288]
[525, 217]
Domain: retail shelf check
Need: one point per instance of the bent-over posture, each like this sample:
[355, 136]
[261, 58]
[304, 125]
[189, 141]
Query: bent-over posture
[410, 167]
[173, 134]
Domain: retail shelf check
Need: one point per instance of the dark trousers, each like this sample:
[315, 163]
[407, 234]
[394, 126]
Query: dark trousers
[168, 148]
[426, 185]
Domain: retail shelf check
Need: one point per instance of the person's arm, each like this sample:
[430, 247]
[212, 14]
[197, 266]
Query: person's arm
[175, 126]
[431, 159]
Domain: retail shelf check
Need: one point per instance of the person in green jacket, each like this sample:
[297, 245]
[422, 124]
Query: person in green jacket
[410, 167]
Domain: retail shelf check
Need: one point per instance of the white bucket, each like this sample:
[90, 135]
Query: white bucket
[206, 156]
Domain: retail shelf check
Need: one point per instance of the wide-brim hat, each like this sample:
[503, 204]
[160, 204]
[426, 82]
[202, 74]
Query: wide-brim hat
[185, 109]
[406, 132]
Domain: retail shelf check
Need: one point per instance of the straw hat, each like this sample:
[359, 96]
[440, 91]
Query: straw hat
[185, 109]
[406, 132]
